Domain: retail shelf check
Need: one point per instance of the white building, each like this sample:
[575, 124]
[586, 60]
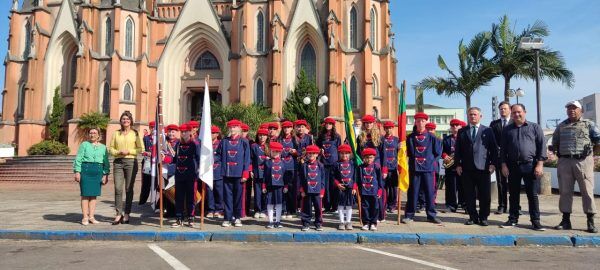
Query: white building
[438, 115]
[590, 107]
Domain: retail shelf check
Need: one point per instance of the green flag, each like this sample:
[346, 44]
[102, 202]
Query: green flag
[349, 121]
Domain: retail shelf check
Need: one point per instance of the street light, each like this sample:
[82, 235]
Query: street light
[535, 44]
[518, 93]
[322, 99]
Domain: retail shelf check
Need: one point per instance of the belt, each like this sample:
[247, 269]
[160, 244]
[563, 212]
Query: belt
[572, 156]
[524, 162]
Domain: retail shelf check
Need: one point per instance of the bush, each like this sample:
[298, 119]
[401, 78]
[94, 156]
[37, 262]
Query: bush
[57, 115]
[294, 107]
[52, 148]
[90, 120]
[253, 115]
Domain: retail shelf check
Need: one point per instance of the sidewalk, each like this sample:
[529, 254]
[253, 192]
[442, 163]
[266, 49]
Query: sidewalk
[55, 207]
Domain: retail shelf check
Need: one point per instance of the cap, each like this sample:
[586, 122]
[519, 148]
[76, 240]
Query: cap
[193, 124]
[152, 124]
[300, 122]
[463, 123]
[263, 125]
[344, 148]
[454, 122]
[234, 123]
[388, 124]
[273, 125]
[287, 124]
[185, 127]
[262, 131]
[172, 127]
[430, 125]
[215, 129]
[421, 115]
[369, 152]
[329, 120]
[275, 146]
[575, 103]
[312, 149]
[368, 119]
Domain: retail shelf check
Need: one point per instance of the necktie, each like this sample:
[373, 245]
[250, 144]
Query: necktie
[503, 123]
[473, 133]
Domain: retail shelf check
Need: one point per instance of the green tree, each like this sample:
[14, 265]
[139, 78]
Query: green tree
[512, 62]
[90, 120]
[57, 115]
[253, 115]
[294, 107]
[474, 71]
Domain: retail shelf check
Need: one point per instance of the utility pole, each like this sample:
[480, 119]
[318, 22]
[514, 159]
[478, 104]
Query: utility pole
[494, 108]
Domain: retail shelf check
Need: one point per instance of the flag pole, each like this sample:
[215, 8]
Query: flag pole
[399, 203]
[203, 199]
[158, 152]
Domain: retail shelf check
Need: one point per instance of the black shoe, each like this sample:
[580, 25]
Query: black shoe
[565, 224]
[120, 221]
[484, 223]
[590, 224]
[537, 226]
[452, 209]
[509, 224]
[470, 222]
[500, 211]
[435, 220]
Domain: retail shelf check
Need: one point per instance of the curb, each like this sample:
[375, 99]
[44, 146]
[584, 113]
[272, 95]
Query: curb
[310, 237]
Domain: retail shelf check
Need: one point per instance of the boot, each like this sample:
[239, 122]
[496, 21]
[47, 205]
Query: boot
[590, 224]
[565, 224]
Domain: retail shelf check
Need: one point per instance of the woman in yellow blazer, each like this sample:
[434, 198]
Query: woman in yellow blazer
[125, 145]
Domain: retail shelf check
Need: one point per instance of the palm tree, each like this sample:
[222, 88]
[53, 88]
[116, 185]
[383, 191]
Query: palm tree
[511, 61]
[475, 71]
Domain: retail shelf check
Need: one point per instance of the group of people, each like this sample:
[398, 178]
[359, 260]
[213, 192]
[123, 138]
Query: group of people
[285, 170]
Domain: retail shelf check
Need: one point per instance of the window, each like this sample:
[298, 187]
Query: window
[105, 96]
[373, 28]
[353, 28]
[260, 92]
[354, 93]
[21, 101]
[27, 43]
[35, 3]
[308, 62]
[375, 86]
[108, 36]
[260, 32]
[589, 107]
[128, 92]
[207, 61]
[73, 74]
[129, 28]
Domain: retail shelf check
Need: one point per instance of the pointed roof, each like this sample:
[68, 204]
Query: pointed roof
[304, 11]
[65, 22]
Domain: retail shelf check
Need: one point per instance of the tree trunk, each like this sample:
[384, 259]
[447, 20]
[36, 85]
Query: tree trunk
[468, 100]
[506, 88]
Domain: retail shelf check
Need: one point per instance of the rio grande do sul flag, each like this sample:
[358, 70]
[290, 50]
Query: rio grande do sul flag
[402, 156]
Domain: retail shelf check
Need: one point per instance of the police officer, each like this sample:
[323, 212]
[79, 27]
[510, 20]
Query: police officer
[574, 141]
[422, 150]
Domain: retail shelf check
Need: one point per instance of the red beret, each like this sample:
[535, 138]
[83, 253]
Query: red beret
[245, 127]
[455, 122]
[152, 124]
[215, 129]
[369, 152]
[312, 149]
[262, 131]
[388, 124]
[421, 115]
[263, 126]
[287, 124]
[193, 124]
[430, 125]
[368, 119]
[172, 127]
[463, 124]
[185, 127]
[329, 120]
[344, 148]
[275, 146]
[273, 125]
[300, 122]
[234, 123]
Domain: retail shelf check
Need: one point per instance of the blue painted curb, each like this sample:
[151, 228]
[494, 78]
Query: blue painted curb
[581, 240]
[544, 240]
[329, 237]
[250, 236]
[466, 239]
[183, 236]
[124, 236]
[388, 238]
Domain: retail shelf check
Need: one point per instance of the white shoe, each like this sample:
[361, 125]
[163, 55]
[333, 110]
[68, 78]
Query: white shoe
[237, 223]
[178, 223]
[262, 215]
[225, 224]
[365, 227]
[373, 228]
[256, 215]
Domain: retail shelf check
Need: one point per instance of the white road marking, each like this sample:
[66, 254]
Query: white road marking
[407, 258]
[172, 261]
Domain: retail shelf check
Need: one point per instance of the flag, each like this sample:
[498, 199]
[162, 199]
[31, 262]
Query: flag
[349, 122]
[154, 161]
[205, 168]
[402, 156]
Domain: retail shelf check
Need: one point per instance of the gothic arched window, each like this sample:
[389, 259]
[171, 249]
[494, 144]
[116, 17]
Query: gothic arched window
[128, 92]
[108, 36]
[308, 62]
[373, 28]
[105, 105]
[129, 37]
[375, 86]
[207, 61]
[260, 92]
[354, 93]
[27, 43]
[260, 32]
[353, 28]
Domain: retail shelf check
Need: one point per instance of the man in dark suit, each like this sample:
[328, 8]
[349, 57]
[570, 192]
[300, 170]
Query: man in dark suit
[476, 156]
[501, 181]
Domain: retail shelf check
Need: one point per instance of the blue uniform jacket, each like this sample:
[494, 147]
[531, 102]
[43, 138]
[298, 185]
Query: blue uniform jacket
[370, 179]
[217, 173]
[312, 178]
[389, 152]
[344, 173]
[235, 157]
[258, 157]
[274, 173]
[423, 150]
[289, 159]
[330, 149]
[186, 160]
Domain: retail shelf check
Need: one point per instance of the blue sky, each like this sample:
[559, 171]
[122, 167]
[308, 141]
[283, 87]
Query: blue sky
[426, 28]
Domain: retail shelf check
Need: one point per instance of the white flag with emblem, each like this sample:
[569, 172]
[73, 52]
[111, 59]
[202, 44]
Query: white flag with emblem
[205, 169]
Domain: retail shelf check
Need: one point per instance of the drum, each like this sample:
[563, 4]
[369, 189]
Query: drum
[169, 192]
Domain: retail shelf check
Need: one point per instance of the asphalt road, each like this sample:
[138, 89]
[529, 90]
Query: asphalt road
[189, 255]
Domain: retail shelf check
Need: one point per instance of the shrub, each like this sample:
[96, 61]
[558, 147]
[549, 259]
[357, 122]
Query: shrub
[57, 115]
[53, 148]
[294, 107]
[253, 115]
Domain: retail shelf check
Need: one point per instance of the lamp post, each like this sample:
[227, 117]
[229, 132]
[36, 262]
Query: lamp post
[535, 44]
[516, 93]
[322, 99]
